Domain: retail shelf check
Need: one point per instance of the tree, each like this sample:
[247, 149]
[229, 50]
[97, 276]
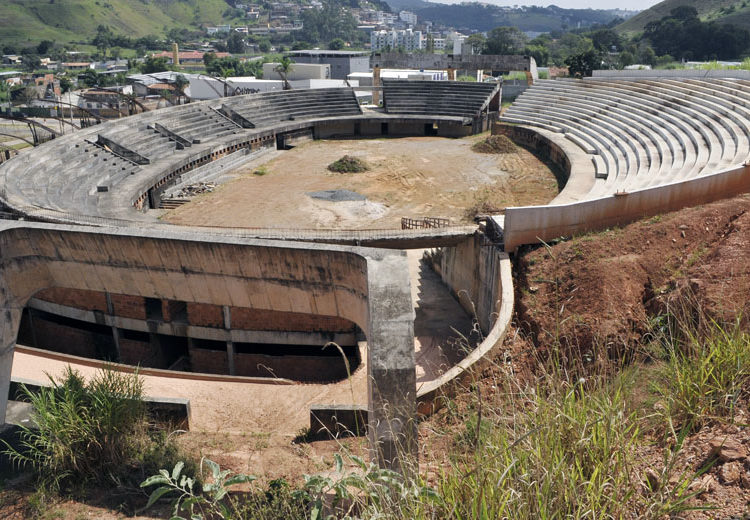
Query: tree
[605, 39]
[152, 65]
[336, 44]
[90, 78]
[264, 46]
[430, 44]
[235, 43]
[44, 47]
[208, 59]
[65, 85]
[180, 83]
[626, 58]
[283, 68]
[582, 65]
[540, 53]
[329, 22]
[505, 40]
[477, 42]
[31, 62]
[103, 39]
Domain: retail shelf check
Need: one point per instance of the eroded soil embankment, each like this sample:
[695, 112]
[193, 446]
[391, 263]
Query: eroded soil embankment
[606, 289]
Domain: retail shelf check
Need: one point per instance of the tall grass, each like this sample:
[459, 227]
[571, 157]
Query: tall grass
[87, 431]
[559, 451]
[706, 375]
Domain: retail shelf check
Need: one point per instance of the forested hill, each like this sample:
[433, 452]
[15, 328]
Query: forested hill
[483, 17]
[736, 12]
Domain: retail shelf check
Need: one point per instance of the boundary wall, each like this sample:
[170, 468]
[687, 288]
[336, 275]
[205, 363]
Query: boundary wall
[669, 74]
[532, 224]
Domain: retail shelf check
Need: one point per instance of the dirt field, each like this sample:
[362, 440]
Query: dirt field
[408, 177]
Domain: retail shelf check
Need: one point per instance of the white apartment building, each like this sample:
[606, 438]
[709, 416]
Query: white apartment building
[408, 17]
[407, 39]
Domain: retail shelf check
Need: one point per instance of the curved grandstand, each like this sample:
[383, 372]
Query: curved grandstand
[629, 148]
[641, 146]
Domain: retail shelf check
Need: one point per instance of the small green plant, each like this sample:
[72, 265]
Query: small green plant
[371, 491]
[212, 502]
[348, 164]
[260, 171]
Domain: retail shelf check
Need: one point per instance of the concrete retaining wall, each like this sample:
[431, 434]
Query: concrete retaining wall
[472, 272]
[512, 89]
[481, 275]
[529, 225]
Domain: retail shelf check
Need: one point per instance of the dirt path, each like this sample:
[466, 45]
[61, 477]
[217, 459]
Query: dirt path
[408, 177]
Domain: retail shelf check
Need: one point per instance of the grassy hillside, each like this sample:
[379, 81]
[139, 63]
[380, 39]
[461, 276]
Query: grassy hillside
[729, 11]
[76, 20]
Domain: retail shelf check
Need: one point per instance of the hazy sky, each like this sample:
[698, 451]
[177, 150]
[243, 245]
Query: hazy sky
[572, 4]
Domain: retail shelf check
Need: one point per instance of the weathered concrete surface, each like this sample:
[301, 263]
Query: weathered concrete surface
[368, 287]
[532, 224]
[397, 60]
[392, 385]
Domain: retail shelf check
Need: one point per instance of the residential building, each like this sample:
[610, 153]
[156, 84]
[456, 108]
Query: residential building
[218, 29]
[408, 17]
[75, 66]
[407, 39]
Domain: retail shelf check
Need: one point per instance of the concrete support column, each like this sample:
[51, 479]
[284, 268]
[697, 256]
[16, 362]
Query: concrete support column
[451, 74]
[375, 85]
[115, 330]
[230, 344]
[8, 334]
[33, 329]
[392, 386]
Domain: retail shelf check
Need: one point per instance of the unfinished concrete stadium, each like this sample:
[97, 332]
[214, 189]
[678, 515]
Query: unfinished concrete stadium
[94, 276]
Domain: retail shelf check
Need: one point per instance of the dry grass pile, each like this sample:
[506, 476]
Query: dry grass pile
[348, 164]
[495, 144]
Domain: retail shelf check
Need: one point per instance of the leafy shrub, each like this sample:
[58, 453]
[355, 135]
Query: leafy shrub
[348, 164]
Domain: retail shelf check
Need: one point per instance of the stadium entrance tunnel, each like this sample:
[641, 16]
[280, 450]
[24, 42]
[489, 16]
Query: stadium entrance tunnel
[191, 337]
[367, 287]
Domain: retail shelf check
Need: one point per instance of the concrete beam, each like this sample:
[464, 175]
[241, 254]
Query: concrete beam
[395, 60]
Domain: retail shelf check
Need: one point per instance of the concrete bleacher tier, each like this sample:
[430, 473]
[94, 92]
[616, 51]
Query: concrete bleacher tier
[269, 108]
[642, 133]
[454, 98]
[105, 174]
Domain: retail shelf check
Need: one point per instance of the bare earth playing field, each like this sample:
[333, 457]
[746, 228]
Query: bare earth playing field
[409, 177]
